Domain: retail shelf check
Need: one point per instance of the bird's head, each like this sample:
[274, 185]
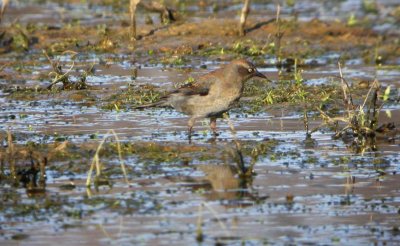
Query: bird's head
[246, 70]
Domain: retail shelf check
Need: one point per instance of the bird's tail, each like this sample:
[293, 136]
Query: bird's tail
[161, 103]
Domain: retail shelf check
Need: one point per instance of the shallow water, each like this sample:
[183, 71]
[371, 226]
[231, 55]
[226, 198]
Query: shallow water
[302, 193]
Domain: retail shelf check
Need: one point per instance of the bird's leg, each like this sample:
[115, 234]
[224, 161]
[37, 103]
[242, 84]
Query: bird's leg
[190, 127]
[213, 125]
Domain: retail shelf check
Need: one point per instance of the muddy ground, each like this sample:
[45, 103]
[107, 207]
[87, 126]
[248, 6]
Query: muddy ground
[295, 162]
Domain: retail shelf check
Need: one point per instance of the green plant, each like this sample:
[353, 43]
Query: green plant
[352, 20]
[369, 6]
[58, 75]
[360, 121]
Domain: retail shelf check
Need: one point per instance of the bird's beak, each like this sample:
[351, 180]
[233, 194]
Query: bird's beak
[260, 75]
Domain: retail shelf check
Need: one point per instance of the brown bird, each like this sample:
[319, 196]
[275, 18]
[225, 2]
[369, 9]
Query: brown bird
[212, 94]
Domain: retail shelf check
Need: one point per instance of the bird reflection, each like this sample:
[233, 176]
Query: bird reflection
[230, 185]
[224, 182]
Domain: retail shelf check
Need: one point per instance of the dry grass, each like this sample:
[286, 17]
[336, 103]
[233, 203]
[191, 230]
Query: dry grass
[96, 159]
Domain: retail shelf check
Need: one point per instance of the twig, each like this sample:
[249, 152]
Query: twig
[375, 83]
[132, 11]
[221, 224]
[5, 65]
[243, 17]
[3, 8]
[59, 76]
[43, 164]
[199, 230]
[278, 12]
[11, 155]
[375, 111]
[348, 99]
[278, 35]
[237, 144]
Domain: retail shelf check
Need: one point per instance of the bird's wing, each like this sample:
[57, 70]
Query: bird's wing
[199, 87]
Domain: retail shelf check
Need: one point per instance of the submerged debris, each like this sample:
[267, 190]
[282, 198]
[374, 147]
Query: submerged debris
[58, 75]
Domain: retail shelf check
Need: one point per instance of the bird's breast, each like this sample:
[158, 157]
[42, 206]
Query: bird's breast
[220, 98]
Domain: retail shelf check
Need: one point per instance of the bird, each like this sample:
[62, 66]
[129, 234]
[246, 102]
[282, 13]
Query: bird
[211, 94]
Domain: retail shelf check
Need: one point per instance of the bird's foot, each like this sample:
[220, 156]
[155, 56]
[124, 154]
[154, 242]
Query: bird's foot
[212, 140]
[190, 135]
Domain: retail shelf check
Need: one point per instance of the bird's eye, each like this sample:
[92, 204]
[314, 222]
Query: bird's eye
[250, 70]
